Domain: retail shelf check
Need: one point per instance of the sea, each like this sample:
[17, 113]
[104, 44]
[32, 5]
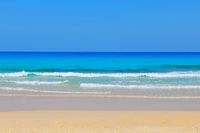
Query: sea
[100, 73]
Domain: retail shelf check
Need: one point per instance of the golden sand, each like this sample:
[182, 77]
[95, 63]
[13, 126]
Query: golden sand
[99, 122]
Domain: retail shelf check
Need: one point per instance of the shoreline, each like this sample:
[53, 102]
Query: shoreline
[28, 103]
[100, 96]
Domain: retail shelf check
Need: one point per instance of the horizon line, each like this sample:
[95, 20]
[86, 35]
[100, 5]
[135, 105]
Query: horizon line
[100, 51]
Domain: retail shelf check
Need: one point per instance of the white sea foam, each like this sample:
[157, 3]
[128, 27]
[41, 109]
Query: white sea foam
[53, 92]
[14, 74]
[116, 86]
[40, 82]
[112, 75]
[121, 75]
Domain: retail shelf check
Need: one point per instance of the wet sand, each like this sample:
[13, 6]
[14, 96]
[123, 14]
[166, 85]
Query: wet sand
[25, 103]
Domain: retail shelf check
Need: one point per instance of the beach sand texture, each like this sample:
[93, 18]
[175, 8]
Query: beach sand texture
[100, 122]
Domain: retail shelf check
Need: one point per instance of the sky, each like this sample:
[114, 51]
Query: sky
[100, 25]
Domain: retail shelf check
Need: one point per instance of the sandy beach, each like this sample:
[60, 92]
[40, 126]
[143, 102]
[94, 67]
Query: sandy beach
[99, 122]
[90, 114]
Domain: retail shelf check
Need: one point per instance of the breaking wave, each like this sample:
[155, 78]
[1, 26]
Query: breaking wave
[113, 86]
[112, 75]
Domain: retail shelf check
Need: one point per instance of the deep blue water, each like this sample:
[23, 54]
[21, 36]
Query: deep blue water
[98, 62]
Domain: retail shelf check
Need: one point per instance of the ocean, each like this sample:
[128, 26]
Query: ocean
[109, 73]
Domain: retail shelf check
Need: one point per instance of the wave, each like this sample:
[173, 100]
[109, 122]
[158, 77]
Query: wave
[112, 75]
[14, 74]
[53, 92]
[121, 75]
[40, 82]
[114, 86]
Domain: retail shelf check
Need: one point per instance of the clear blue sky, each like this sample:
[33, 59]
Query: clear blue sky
[99, 25]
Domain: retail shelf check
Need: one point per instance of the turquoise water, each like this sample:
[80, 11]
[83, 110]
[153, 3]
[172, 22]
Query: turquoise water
[163, 74]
